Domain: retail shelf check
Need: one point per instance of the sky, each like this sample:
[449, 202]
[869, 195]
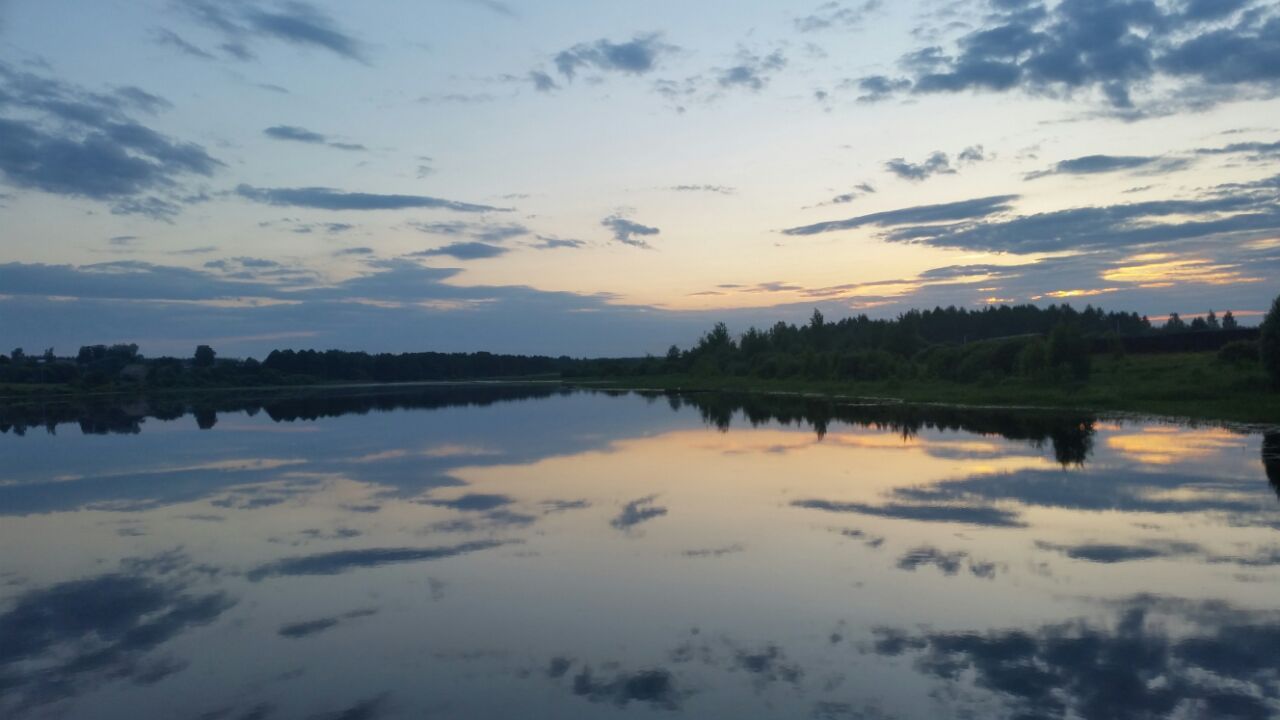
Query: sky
[589, 177]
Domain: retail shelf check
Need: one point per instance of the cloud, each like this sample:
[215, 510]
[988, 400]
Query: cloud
[1110, 226]
[629, 232]
[166, 37]
[329, 199]
[298, 134]
[752, 71]
[634, 57]
[636, 512]
[942, 212]
[1153, 658]
[480, 231]
[63, 639]
[1096, 164]
[292, 21]
[967, 514]
[353, 251]
[655, 687]
[837, 15]
[542, 82]
[493, 6]
[938, 163]
[68, 141]
[718, 189]
[464, 251]
[1212, 50]
[1108, 553]
[546, 242]
[880, 87]
[307, 628]
[341, 561]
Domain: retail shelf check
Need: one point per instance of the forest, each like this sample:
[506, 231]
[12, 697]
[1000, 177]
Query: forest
[1052, 345]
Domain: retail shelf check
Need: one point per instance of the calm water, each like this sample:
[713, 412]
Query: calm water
[533, 553]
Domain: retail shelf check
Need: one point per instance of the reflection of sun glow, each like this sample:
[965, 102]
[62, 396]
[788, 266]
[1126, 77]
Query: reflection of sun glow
[1165, 446]
[1190, 270]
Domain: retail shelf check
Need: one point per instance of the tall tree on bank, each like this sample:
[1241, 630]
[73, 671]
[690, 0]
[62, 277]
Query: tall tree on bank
[1270, 343]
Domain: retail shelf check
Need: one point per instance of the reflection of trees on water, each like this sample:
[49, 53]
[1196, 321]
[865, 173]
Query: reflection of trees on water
[102, 416]
[1070, 434]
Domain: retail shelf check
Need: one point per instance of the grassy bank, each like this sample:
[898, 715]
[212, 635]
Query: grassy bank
[1193, 385]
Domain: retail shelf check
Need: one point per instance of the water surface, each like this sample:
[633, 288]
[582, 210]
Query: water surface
[508, 551]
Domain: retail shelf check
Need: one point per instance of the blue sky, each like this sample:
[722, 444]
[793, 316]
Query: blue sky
[610, 178]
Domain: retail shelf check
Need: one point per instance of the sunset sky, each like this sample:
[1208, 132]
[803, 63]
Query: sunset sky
[594, 177]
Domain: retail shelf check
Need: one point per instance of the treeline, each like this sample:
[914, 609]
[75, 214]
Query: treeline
[1053, 344]
[117, 366]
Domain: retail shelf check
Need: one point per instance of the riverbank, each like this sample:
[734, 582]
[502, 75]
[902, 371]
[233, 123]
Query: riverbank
[1189, 385]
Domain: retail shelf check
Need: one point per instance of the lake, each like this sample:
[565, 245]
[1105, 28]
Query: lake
[535, 552]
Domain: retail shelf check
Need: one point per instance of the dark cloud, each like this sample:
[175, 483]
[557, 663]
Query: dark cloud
[335, 563]
[166, 37]
[752, 71]
[1112, 48]
[62, 639]
[969, 514]
[879, 87]
[837, 15]
[636, 56]
[143, 100]
[542, 82]
[1096, 164]
[329, 199]
[943, 212]
[629, 232]
[464, 251]
[306, 628]
[655, 687]
[346, 252]
[1257, 150]
[949, 563]
[369, 709]
[1154, 658]
[67, 141]
[474, 502]
[936, 164]
[1232, 209]
[636, 512]
[1116, 553]
[547, 242]
[291, 21]
[299, 134]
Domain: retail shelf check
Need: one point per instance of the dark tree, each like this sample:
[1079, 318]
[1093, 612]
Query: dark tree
[1174, 323]
[204, 356]
[1269, 343]
[1229, 321]
[1067, 346]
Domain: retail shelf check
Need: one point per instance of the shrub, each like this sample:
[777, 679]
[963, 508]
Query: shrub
[1239, 352]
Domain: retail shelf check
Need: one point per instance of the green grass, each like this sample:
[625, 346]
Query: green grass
[1192, 385]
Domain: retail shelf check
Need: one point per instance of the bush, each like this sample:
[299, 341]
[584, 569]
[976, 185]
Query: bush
[1269, 344]
[1239, 352]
